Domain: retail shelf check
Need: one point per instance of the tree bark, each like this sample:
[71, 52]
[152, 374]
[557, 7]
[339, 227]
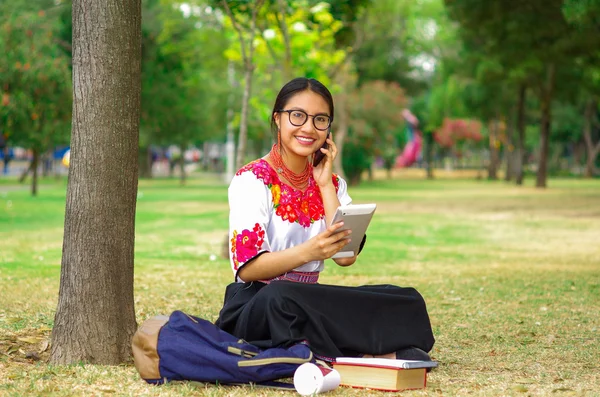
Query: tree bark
[243, 135]
[591, 149]
[248, 59]
[26, 172]
[287, 61]
[341, 132]
[182, 175]
[509, 150]
[95, 317]
[34, 172]
[342, 115]
[521, 156]
[546, 108]
[493, 145]
[230, 145]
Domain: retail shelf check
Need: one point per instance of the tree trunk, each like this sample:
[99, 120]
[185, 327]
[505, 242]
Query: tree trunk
[95, 317]
[172, 164]
[182, 166]
[230, 145]
[243, 136]
[26, 172]
[591, 149]
[520, 157]
[340, 132]
[342, 116]
[481, 169]
[546, 108]
[493, 144]
[248, 59]
[34, 172]
[509, 150]
[287, 61]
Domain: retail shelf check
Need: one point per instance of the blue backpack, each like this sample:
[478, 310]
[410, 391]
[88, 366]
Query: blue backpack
[184, 347]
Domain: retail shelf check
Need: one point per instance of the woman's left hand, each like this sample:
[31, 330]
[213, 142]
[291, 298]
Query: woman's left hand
[322, 172]
[345, 261]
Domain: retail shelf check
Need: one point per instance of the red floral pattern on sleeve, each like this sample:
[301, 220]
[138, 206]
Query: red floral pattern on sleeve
[245, 245]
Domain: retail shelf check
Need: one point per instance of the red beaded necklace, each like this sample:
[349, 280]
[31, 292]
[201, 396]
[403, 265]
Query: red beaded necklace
[299, 181]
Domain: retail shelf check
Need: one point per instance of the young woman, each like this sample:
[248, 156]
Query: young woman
[280, 209]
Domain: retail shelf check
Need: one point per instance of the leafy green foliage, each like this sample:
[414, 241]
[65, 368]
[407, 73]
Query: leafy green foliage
[457, 59]
[535, 43]
[401, 42]
[183, 70]
[583, 13]
[311, 42]
[348, 12]
[35, 76]
[356, 159]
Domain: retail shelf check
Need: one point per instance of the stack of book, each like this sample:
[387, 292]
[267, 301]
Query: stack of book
[383, 373]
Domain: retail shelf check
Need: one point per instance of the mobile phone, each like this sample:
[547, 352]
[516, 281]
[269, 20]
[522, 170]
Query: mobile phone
[319, 155]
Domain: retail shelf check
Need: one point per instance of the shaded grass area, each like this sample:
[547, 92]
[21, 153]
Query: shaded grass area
[511, 277]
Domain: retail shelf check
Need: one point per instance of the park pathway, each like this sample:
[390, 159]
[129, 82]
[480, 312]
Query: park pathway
[12, 188]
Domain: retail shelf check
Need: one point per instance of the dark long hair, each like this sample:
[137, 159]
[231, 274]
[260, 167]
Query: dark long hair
[295, 86]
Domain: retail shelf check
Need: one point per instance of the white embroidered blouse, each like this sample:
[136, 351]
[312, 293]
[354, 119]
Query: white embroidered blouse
[267, 215]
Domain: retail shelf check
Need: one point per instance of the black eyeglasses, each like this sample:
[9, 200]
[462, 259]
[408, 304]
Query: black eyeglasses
[299, 117]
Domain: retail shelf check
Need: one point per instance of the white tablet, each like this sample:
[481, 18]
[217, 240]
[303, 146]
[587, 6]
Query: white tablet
[356, 217]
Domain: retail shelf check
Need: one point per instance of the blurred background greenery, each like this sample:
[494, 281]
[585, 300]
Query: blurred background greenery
[500, 89]
[505, 88]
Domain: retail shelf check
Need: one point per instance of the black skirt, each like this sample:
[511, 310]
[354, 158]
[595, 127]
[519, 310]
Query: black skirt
[335, 320]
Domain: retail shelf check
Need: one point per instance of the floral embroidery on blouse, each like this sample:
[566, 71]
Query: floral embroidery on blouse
[290, 204]
[245, 245]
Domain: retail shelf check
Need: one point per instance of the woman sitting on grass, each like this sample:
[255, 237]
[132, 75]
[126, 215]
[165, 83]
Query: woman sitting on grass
[280, 206]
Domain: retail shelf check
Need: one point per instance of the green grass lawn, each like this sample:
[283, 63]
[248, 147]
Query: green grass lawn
[511, 277]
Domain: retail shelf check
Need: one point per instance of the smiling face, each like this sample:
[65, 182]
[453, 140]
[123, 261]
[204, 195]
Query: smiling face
[302, 141]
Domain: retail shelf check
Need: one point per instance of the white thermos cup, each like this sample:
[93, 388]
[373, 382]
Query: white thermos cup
[312, 379]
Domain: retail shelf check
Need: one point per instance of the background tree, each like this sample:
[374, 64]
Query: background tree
[583, 15]
[377, 123]
[407, 43]
[35, 79]
[398, 44]
[512, 33]
[298, 38]
[243, 19]
[348, 39]
[183, 69]
[95, 317]
[591, 133]
[311, 41]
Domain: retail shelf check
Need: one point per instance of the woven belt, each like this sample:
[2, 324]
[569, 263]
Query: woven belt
[297, 277]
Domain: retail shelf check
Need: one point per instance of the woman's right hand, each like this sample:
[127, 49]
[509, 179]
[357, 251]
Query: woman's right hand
[328, 243]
